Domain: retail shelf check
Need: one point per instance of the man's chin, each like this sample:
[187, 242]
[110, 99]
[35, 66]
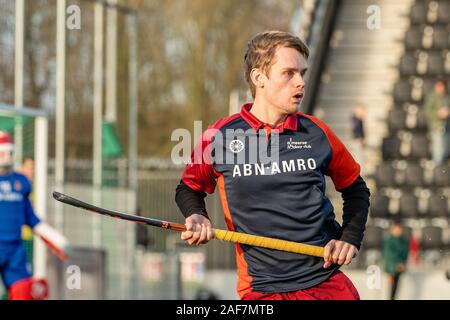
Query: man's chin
[293, 107]
[290, 107]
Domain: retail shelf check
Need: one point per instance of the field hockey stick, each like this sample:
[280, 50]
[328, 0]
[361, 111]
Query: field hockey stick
[219, 234]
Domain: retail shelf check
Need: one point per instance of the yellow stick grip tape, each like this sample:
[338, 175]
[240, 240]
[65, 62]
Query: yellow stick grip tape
[266, 242]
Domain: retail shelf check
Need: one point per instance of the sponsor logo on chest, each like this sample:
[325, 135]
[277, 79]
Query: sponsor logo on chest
[285, 166]
[292, 144]
[7, 194]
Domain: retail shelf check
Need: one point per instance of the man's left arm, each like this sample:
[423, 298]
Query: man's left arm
[345, 173]
[355, 212]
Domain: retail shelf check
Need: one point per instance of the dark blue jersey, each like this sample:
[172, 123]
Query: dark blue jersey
[275, 190]
[15, 207]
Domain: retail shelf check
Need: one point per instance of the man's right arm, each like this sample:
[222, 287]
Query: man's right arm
[190, 201]
[198, 178]
[192, 206]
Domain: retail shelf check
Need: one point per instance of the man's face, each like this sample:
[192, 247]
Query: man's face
[6, 159]
[284, 85]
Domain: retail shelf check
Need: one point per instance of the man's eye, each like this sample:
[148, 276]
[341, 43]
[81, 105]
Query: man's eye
[290, 73]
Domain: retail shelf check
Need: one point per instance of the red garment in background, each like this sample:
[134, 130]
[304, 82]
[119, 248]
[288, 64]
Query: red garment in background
[414, 250]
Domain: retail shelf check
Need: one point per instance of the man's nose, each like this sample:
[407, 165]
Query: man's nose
[299, 81]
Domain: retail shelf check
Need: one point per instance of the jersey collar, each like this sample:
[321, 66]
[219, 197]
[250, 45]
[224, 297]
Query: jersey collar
[290, 123]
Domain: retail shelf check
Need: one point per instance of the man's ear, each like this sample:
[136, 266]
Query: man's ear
[258, 77]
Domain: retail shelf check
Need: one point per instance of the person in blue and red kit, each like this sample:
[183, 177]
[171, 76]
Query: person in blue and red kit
[283, 198]
[16, 211]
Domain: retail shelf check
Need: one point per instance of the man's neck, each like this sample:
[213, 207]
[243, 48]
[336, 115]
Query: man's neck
[267, 113]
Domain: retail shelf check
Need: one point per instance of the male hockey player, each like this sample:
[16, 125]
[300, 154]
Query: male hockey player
[282, 196]
[16, 211]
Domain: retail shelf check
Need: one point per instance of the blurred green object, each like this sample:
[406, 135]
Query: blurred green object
[111, 147]
[8, 123]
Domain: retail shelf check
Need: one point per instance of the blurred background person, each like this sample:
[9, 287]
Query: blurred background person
[395, 254]
[16, 210]
[358, 134]
[437, 112]
[28, 168]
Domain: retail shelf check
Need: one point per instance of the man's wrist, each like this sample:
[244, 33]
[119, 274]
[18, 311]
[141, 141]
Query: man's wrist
[351, 239]
[199, 212]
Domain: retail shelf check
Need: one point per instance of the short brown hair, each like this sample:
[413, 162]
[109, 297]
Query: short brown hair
[261, 50]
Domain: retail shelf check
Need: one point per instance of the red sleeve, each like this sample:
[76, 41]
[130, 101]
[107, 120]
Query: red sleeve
[200, 175]
[342, 168]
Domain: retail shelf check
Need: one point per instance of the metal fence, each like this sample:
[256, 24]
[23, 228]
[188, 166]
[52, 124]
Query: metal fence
[156, 198]
[115, 237]
[133, 272]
